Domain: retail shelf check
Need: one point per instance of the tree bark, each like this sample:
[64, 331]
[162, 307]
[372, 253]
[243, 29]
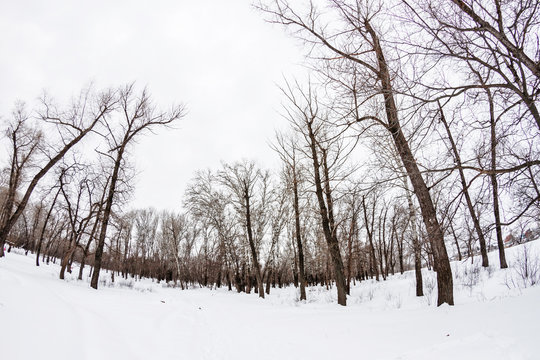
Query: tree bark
[445, 289]
[415, 241]
[494, 184]
[252, 245]
[329, 233]
[352, 235]
[105, 221]
[301, 274]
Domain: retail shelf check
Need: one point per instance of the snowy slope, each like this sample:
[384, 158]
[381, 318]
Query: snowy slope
[42, 317]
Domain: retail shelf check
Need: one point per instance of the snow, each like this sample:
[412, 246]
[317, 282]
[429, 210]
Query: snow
[42, 317]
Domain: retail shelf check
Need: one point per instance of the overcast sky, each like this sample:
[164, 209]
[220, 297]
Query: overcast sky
[218, 57]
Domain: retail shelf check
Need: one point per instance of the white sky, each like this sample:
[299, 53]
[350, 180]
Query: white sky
[218, 57]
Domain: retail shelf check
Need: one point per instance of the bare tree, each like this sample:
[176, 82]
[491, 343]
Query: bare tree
[209, 205]
[493, 178]
[146, 228]
[73, 125]
[25, 142]
[46, 224]
[308, 118]
[137, 114]
[173, 230]
[498, 38]
[465, 189]
[369, 224]
[357, 41]
[243, 180]
[289, 154]
[278, 212]
[78, 191]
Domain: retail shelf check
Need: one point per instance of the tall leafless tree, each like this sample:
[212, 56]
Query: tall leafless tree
[137, 115]
[289, 154]
[357, 40]
[308, 118]
[73, 125]
[243, 180]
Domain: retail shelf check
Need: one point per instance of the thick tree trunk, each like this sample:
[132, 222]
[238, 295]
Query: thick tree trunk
[256, 264]
[105, 221]
[65, 259]
[329, 233]
[494, 184]
[301, 274]
[81, 269]
[268, 277]
[445, 290]
[228, 279]
[417, 248]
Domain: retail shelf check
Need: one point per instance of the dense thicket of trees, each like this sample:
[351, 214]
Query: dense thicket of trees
[75, 192]
[413, 141]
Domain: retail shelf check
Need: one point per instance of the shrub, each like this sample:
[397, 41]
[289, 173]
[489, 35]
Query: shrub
[525, 270]
[471, 277]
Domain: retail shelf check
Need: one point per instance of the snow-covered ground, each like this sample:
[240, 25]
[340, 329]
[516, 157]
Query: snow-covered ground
[41, 317]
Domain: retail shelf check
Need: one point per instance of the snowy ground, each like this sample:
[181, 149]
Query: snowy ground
[42, 317]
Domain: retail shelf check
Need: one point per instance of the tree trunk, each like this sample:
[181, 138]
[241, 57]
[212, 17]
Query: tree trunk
[268, 276]
[301, 275]
[415, 241]
[351, 236]
[494, 184]
[105, 221]
[369, 229]
[252, 245]
[465, 189]
[329, 233]
[65, 259]
[45, 223]
[456, 241]
[445, 291]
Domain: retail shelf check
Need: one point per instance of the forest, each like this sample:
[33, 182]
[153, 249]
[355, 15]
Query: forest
[413, 141]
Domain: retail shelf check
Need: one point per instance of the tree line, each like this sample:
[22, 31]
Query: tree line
[77, 192]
